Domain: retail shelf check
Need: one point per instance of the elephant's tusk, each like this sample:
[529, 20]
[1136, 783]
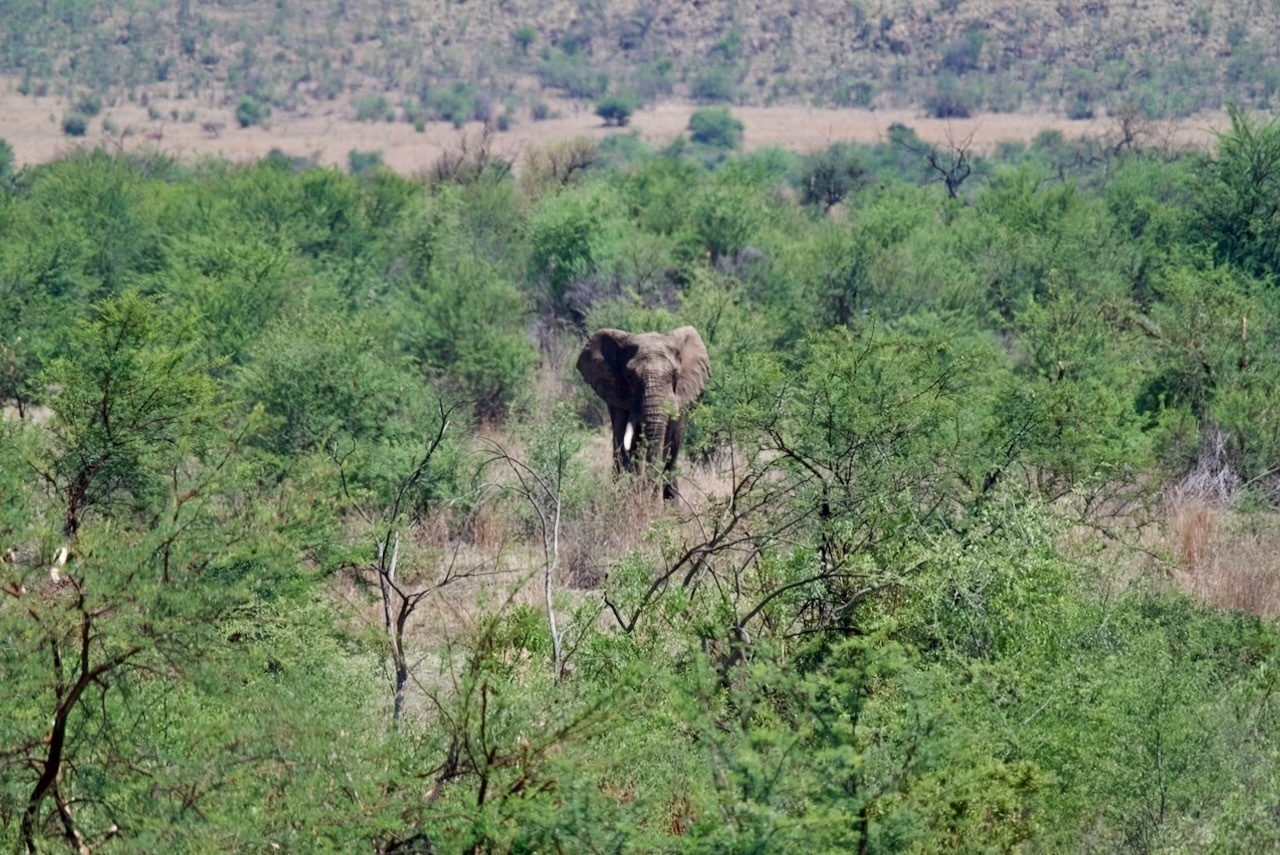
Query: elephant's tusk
[627, 436]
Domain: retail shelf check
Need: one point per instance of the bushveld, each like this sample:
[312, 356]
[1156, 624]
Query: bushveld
[310, 538]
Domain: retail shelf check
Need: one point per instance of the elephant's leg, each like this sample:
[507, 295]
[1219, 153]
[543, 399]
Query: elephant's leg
[618, 420]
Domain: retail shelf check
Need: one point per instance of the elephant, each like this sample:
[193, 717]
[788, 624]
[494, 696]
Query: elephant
[649, 381]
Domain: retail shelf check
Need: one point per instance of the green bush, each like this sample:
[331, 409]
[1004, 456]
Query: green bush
[1234, 203]
[465, 327]
[1079, 108]
[6, 161]
[616, 110]
[372, 108]
[654, 79]
[75, 125]
[322, 380]
[827, 177]
[250, 111]
[570, 73]
[523, 37]
[852, 91]
[718, 83]
[568, 238]
[730, 44]
[456, 104]
[233, 283]
[129, 401]
[89, 104]
[332, 85]
[950, 101]
[725, 216]
[622, 150]
[716, 127]
[363, 162]
[459, 316]
[108, 232]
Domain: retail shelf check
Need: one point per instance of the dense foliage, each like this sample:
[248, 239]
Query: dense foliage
[307, 542]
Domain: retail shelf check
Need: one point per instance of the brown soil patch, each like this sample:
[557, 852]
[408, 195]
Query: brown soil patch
[328, 131]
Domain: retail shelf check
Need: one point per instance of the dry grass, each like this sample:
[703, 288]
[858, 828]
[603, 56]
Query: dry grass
[613, 524]
[490, 559]
[549, 166]
[475, 566]
[328, 131]
[38, 414]
[1224, 558]
[493, 561]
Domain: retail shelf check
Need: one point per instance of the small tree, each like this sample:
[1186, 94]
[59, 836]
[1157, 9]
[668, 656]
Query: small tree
[372, 108]
[364, 163]
[616, 110]
[949, 101]
[75, 125]
[400, 597]
[127, 402]
[461, 319]
[830, 175]
[472, 161]
[1236, 209]
[140, 592]
[250, 111]
[952, 165]
[715, 126]
[523, 37]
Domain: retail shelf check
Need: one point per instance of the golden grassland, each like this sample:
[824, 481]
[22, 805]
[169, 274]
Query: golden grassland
[328, 132]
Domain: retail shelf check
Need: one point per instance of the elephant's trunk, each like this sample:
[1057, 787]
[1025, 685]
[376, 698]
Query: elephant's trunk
[655, 413]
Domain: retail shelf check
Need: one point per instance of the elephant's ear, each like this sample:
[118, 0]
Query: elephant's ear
[603, 363]
[695, 366]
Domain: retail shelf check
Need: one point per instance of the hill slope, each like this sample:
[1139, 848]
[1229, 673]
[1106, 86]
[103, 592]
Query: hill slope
[459, 60]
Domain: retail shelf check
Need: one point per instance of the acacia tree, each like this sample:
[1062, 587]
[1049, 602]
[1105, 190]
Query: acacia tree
[128, 406]
[1238, 211]
[831, 175]
[135, 436]
[952, 165]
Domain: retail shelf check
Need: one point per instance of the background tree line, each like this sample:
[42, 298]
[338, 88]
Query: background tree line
[283, 446]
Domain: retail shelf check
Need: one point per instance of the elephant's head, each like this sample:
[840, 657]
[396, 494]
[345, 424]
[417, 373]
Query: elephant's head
[648, 380]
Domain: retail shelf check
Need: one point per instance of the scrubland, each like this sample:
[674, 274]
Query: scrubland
[310, 539]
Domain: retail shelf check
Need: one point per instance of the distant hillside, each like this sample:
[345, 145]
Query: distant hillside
[436, 59]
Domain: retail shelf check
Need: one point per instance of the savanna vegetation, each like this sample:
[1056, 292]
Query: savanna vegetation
[456, 61]
[310, 539]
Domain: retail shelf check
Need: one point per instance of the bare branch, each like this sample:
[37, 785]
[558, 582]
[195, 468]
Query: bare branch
[952, 166]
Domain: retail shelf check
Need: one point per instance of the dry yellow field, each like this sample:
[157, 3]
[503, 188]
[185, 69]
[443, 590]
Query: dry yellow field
[328, 131]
